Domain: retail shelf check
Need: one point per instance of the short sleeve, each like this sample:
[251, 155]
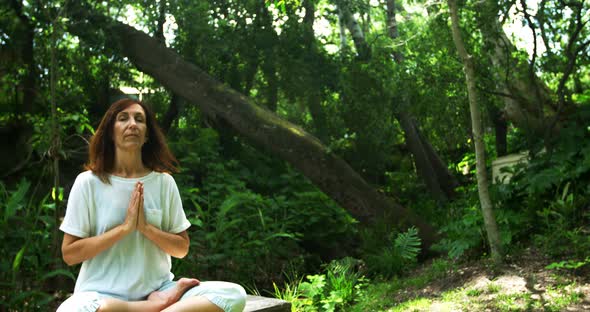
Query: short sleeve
[77, 219]
[177, 221]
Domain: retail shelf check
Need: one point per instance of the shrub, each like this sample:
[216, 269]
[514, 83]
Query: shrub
[394, 255]
[251, 221]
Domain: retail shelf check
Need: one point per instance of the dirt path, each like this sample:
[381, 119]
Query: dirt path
[523, 284]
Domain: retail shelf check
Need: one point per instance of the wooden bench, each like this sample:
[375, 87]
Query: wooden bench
[264, 304]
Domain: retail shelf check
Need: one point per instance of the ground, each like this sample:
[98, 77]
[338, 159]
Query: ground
[522, 284]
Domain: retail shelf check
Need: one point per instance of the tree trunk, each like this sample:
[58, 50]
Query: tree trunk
[318, 114]
[25, 52]
[250, 74]
[525, 96]
[429, 166]
[446, 180]
[270, 37]
[422, 162]
[392, 28]
[28, 57]
[261, 127]
[313, 94]
[159, 33]
[482, 179]
[171, 113]
[501, 129]
[358, 37]
[342, 29]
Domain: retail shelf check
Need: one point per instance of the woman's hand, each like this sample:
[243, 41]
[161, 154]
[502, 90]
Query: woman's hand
[130, 224]
[142, 223]
[174, 244]
[76, 249]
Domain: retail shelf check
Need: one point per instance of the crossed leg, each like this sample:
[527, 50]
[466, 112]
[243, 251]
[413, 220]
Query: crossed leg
[168, 300]
[160, 300]
[193, 304]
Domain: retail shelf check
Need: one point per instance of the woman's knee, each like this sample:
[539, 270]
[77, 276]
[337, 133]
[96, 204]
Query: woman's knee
[230, 297]
[81, 302]
[236, 297]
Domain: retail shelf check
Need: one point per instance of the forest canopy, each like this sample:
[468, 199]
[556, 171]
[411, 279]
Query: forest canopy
[306, 130]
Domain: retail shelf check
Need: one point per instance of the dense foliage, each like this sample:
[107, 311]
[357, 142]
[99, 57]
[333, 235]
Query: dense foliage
[258, 221]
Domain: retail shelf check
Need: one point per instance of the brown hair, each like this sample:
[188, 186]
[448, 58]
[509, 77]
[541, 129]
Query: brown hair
[155, 153]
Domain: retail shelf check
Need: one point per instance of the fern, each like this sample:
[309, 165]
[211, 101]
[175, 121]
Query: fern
[407, 244]
[397, 255]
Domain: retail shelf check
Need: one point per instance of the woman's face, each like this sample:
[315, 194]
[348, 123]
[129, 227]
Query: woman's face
[130, 128]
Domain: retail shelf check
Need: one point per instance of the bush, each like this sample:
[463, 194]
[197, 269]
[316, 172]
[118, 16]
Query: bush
[554, 195]
[28, 264]
[333, 290]
[392, 256]
[251, 217]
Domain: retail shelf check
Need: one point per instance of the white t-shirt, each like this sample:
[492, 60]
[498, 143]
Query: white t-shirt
[134, 266]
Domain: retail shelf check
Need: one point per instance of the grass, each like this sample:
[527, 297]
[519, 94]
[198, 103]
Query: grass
[474, 292]
[441, 286]
[377, 296]
[461, 299]
[411, 294]
[420, 304]
[493, 288]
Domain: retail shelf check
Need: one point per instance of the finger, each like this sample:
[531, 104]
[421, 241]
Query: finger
[139, 198]
[134, 199]
[141, 212]
[134, 193]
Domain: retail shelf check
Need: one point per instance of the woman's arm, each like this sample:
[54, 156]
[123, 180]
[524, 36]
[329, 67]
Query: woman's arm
[75, 249]
[176, 245]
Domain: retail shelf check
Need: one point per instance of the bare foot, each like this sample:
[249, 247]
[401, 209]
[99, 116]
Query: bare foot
[172, 295]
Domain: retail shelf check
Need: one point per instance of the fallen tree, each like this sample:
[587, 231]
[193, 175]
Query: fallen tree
[261, 127]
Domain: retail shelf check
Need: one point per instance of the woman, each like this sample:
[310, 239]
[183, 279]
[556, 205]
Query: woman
[124, 220]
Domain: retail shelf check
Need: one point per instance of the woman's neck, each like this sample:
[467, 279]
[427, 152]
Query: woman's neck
[129, 165]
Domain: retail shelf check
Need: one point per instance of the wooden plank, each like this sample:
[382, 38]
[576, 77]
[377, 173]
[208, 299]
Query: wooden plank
[264, 304]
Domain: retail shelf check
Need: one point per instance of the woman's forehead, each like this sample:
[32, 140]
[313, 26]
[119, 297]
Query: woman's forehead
[133, 109]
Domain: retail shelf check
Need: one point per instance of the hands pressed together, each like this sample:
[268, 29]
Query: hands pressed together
[135, 219]
[174, 244]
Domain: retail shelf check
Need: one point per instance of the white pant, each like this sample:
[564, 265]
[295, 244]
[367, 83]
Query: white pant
[229, 297]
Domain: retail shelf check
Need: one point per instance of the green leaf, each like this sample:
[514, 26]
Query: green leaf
[60, 194]
[18, 258]
[275, 235]
[17, 199]
[408, 244]
[62, 272]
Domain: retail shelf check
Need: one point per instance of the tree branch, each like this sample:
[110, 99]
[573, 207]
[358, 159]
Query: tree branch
[527, 16]
[541, 19]
[506, 95]
[571, 55]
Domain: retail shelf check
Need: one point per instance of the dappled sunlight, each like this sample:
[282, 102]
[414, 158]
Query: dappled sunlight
[522, 285]
[331, 154]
